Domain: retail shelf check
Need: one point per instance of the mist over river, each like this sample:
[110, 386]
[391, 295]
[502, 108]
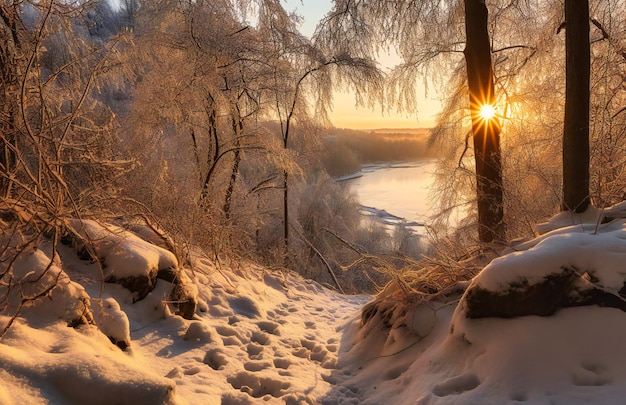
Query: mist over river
[391, 192]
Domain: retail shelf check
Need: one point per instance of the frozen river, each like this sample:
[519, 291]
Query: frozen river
[396, 191]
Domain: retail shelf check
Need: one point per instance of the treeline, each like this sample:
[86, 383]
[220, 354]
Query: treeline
[346, 150]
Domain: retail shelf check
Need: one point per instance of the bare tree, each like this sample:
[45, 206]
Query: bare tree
[11, 65]
[57, 138]
[311, 69]
[426, 33]
[56, 134]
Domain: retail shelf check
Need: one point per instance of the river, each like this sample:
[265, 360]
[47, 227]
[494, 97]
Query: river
[393, 192]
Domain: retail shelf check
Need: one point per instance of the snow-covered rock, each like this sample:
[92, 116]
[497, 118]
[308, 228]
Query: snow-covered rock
[562, 270]
[126, 258]
[112, 321]
[35, 287]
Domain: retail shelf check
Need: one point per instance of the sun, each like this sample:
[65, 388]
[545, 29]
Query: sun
[487, 112]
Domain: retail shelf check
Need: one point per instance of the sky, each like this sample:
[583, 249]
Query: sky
[345, 114]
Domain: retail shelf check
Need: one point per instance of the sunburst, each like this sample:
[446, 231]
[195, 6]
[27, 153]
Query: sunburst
[487, 112]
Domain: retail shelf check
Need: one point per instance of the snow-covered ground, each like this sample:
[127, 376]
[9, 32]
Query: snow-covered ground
[261, 336]
[258, 336]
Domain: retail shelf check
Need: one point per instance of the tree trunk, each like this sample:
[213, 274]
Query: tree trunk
[214, 150]
[286, 213]
[237, 125]
[9, 96]
[286, 193]
[576, 123]
[486, 131]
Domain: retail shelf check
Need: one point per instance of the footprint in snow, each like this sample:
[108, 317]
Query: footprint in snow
[254, 349]
[255, 366]
[260, 338]
[282, 363]
[457, 385]
[258, 386]
[589, 376]
[244, 306]
[191, 369]
[231, 341]
[269, 327]
[226, 331]
[216, 359]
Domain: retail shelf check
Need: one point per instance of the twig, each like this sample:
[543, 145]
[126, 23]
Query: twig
[322, 258]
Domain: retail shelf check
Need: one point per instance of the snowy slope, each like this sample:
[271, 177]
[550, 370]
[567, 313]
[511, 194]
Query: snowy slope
[262, 336]
[576, 356]
[258, 336]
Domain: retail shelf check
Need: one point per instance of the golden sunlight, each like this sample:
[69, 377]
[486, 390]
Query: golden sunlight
[487, 112]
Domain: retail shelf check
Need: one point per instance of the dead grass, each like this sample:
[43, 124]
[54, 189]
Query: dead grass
[442, 277]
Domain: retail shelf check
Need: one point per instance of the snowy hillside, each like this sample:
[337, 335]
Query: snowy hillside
[261, 336]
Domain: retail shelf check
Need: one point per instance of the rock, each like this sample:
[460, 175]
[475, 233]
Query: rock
[42, 292]
[169, 274]
[112, 321]
[567, 267]
[563, 289]
[126, 259]
[140, 285]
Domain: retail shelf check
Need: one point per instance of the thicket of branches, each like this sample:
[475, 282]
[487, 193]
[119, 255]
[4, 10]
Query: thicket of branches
[188, 114]
[207, 116]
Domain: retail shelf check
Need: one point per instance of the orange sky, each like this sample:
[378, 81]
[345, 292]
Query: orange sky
[346, 115]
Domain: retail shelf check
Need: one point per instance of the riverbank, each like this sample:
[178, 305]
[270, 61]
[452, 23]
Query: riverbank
[395, 193]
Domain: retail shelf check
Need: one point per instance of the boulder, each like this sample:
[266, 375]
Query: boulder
[36, 288]
[126, 259]
[563, 289]
[569, 267]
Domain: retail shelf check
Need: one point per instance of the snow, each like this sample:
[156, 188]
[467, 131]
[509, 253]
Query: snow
[575, 250]
[349, 177]
[262, 336]
[125, 253]
[111, 320]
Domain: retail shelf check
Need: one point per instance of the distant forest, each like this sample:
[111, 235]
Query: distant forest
[346, 150]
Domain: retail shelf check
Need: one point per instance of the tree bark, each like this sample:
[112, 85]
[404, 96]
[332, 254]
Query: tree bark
[214, 148]
[576, 122]
[9, 95]
[286, 213]
[486, 132]
[237, 125]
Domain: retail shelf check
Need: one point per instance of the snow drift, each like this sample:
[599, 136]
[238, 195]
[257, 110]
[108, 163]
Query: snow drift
[259, 336]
